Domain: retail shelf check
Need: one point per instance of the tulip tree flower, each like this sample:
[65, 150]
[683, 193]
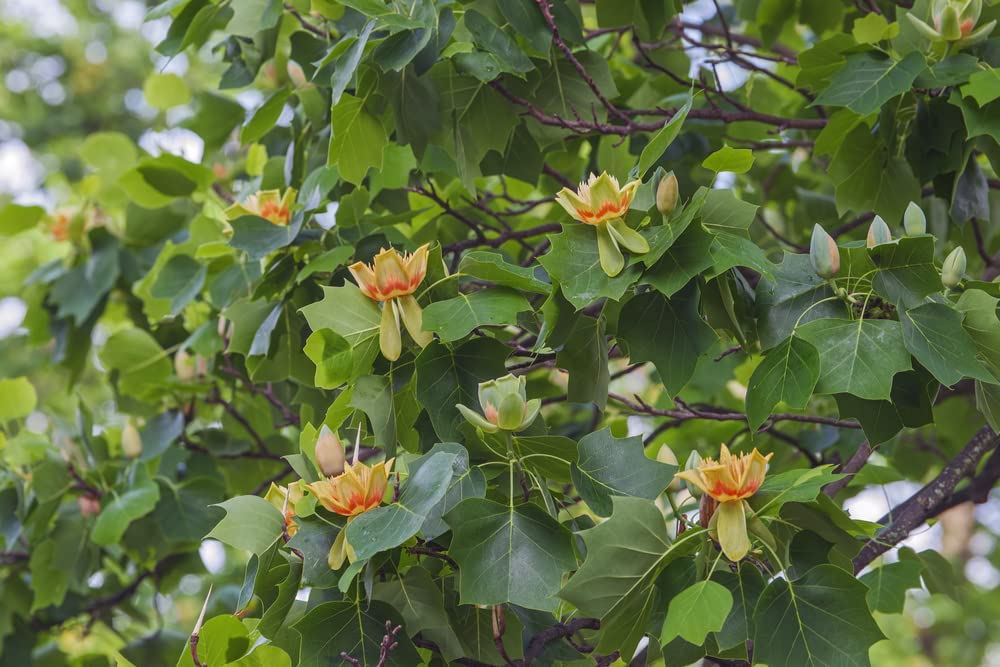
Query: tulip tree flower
[353, 492]
[954, 23]
[602, 203]
[730, 481]
[271, 205]
[391, 280]
[504, 404]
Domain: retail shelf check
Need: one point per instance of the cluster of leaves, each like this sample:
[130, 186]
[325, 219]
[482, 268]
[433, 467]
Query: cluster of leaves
[229, 344]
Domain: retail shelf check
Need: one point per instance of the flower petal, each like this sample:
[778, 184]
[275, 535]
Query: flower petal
[612, 260]
[389, 338]
[732, 528]
[413, 318]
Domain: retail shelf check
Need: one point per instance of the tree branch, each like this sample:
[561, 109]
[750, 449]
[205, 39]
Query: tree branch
[931, 500]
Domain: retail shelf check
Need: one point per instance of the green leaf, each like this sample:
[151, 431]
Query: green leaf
[466, 482]
[870, 178]
[789, 297]
[792, 486]
[222, 639]
[661, 141]
[608, 466]
[165, 91]
[453, 319]
[499, 47]
[584, 355]
[357, 140]
[492, 267]
[141, 363]
[15, 219]
[118, 513]
[333, 357]
[873, 28]
[867, 81]
[446, 377]
[387, 527]
[258, 236]
[668, 332]
[373, 395]
[788, 373]
[745, 585]
[697, 611]
[906, 272]
[888, 583]
[857, 357]
[421, 603]
[508, 553]
[625, 555]
[727, 158]
[332, 628]
[180, 280]
[17, 398]
[933, 333]
[723, 212]
[983, 86]
[313, 540]
[251, 523]
[265, 655]
[277, 611]
[328, 262]
[264, 118]
[573, 262]
[820, 619]
[354, 317]
[982, 323]
[686, 257]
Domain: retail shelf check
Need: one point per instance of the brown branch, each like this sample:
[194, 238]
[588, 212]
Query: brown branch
[929, 501]
[314, 29]
[849, 469]
[498, 241]
[686, 412]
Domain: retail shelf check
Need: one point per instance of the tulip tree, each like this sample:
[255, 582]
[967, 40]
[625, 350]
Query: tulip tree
[511, 332]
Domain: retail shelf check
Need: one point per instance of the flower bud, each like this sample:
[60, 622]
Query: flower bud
[131, 441]
[329, 453]
[692, 463]
[505, 406]
[949, 23]
[666, 455]
[89, 505]
[953, 269]
[667, 194]
[185, 366]
[914, 220]
[824, 254]
[878, 232]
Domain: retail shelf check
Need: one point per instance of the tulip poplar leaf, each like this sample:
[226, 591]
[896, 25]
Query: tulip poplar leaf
[788, 373]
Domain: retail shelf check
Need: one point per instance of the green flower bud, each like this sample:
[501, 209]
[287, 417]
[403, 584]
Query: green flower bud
[953, 269]
[824, 254]
[131, 441]
[329, 452]
[878, 232]
[914, 220]
[667, 194]
[693, 461]
[504, 404]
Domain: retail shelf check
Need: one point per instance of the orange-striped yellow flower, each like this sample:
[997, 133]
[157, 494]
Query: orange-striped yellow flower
[391, 279]
[358, 489]
[284, 498]
[601, 202]
[271, 205]
[730, 481]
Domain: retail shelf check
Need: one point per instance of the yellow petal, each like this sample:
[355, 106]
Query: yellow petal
[365, 277]
[694, 477]
[413, 318]
[732, 529]
[390, 273]
[416, 266]
[389, 338]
